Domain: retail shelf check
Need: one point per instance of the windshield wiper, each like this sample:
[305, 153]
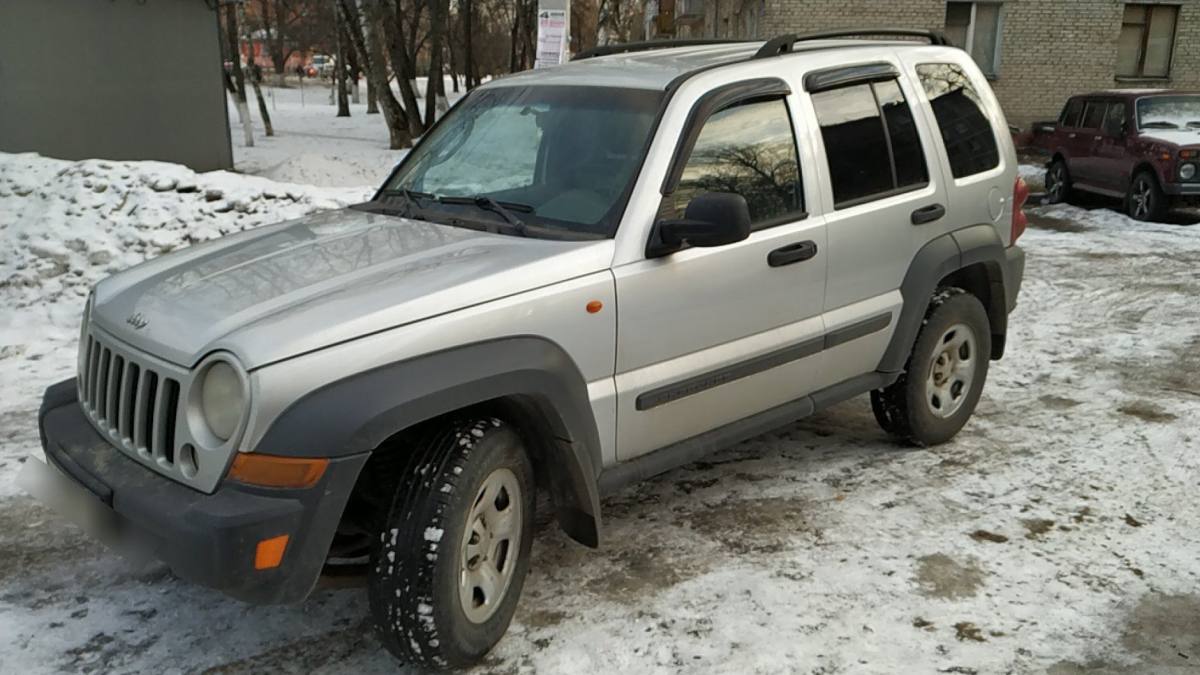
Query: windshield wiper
[500, 208]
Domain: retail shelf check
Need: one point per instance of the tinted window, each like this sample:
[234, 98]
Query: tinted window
[855, 144]
[1093, 114]
[749, 150]
[966, 131]
[1114, 119]
[1071, 114]
[906, 144]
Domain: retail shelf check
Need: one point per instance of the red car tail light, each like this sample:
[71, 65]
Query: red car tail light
[1019, 221]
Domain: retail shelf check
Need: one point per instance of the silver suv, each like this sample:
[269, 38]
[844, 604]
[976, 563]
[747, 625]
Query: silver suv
[581, 277]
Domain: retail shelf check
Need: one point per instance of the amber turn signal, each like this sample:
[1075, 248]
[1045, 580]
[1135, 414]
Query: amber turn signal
[278, 472]
[594, 306]
[269, 552]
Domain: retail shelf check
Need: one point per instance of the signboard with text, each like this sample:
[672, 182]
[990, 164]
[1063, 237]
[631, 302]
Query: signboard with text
[551, 38]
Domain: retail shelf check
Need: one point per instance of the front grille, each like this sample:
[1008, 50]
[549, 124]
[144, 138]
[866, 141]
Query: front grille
[135, 404]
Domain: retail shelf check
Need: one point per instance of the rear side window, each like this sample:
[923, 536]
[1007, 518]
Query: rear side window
[871, 142]
[966, 131]
[1093, 114]
[1114, 119]
[750, 150]
[1071, 114]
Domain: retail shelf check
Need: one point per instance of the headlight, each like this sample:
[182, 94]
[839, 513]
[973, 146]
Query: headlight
[222, 399]
[1187, 171]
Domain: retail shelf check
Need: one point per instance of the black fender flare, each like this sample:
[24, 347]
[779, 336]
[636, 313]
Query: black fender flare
[358, 413]
[937, 259]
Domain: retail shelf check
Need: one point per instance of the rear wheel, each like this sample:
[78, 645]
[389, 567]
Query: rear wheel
[448, 567]
[1058, 182]
[1145, 201]
[944, 376]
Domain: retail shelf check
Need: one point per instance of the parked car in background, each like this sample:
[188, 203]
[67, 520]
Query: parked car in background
[1142, 146]
[321, 65]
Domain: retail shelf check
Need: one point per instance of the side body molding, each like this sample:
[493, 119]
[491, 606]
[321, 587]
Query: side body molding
[357, 413]
[976, 244]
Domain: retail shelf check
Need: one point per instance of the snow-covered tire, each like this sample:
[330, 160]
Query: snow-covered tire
[419, 563]
[943, 379]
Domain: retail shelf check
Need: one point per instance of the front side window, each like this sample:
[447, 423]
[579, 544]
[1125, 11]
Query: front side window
[975, 26]
[966, 131]
[559, 157]
[1147, 40]
[750, 150]
[1114, 119]
[1169, 112]
[871, 142]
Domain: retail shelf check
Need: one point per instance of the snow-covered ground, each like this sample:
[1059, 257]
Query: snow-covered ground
[1056, 533]
[313, 146]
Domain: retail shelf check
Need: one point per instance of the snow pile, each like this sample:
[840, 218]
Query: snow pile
[68, 224]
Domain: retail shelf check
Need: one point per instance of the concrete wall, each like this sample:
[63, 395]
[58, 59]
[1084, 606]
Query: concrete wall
[1050, 49]
[118, 79]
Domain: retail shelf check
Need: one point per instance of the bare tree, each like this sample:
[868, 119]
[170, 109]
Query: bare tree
[255, 70]
[435, 87]
[363, 30]
[239, 78]
[339, 70]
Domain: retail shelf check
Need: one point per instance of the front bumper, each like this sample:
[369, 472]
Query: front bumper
[209, 539]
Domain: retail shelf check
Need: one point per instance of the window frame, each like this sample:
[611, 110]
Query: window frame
[887, 135]
[972, 24]
[1147, 10]
[724, 97]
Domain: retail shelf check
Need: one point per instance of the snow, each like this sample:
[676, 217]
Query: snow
[1057, 530]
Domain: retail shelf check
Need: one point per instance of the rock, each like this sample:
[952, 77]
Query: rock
[212, 195]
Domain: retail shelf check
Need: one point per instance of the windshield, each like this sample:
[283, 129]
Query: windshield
[556, 157]
[1169, 112]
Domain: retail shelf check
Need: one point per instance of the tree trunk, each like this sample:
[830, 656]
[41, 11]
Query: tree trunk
[239, 78]
[468, 21]
[434, 86]
[339, 71]
[402, 64]
[364, 35]
[254, 79]
[372, 100]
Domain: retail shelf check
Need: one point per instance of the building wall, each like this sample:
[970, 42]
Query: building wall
[118, 79]
[1050, 49]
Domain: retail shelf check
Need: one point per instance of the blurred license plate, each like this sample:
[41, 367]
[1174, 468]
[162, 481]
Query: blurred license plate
[71, 500]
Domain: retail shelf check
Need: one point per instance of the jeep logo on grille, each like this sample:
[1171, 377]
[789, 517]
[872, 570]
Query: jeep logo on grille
[137, 321]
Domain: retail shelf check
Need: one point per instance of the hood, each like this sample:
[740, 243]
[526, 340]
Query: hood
[282, 290]
[1172, 136]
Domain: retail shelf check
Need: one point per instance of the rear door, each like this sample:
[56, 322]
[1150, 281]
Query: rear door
[881, 201]
[1110, 159]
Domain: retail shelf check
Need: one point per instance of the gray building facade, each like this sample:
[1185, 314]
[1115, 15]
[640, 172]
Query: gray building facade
[114, 79]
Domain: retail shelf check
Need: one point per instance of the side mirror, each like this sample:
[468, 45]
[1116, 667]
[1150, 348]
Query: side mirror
[711, 219]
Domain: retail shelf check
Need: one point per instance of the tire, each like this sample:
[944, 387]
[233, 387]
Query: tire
[429, 548]
[1145, 200]
[1058, 182]
[945, 373]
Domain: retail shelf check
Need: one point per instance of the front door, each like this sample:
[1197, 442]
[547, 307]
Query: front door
[707, 336]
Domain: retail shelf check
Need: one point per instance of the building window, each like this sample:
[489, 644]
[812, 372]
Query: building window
[1147, 40]
[975, 26]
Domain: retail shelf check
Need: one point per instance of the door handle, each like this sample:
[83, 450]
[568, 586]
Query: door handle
[1098, 138]
[1071, 135]
[792, 253]
[928, 214]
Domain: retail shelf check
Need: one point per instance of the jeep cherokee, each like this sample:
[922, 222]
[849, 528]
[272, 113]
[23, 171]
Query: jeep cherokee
[581, 277]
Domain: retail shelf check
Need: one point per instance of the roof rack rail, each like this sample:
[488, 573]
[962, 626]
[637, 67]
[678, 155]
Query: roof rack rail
[629, 47]
[785, 43]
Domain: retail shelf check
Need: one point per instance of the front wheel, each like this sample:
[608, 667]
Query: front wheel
[944, 376]
[1145, 201]
[448, 567]
[1058, 182]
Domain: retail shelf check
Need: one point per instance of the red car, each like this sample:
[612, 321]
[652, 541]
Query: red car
[1142, 146]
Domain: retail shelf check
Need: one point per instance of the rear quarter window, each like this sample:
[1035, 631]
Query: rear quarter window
[1093, 114]
[966, 131]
